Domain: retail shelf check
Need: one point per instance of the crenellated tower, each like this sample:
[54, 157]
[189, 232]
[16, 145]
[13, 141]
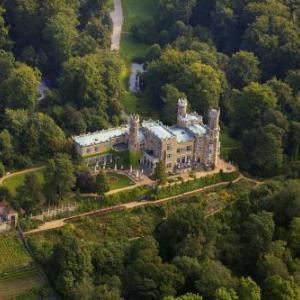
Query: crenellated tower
[182, 111]
[214, 135]
[134, 127]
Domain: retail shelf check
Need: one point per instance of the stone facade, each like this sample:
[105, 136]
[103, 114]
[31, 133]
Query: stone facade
[188, 145]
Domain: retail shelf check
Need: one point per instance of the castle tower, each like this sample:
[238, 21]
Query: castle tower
[134, 127]
[182, 110]
[214, 136]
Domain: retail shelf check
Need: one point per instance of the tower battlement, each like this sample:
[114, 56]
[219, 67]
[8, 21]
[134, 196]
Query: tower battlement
[134, 128]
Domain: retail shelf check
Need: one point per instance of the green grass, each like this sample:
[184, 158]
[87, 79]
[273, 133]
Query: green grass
[118, 181]
[17, 272]
[14, 182]
[12, 253]
[135, 12]
[227, 144]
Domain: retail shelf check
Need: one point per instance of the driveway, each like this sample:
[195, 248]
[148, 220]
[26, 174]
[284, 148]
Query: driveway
[117, 19]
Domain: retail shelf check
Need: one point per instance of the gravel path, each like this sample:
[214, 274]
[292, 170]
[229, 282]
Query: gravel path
[61, 222]
[117, 17]
[20, 173]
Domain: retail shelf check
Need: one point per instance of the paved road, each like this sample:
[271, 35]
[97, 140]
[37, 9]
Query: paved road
[61, 222]
[117, 19]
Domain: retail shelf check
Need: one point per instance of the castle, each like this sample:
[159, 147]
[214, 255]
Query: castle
[188, 145]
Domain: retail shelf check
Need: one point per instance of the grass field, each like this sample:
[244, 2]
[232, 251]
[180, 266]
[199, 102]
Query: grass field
[18, 275]
[135, 12]
[117, 181]
[14, 182]
[227, 144]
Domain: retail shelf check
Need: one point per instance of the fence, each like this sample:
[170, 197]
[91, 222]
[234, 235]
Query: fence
[54, 212]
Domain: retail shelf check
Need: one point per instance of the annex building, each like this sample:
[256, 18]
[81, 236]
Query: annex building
[188, 145]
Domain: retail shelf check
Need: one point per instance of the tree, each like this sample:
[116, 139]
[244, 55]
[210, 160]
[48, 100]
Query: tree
[286, 204]
[226, 294]
[146, 276]
[275, 261]
[160, 172]
[262, 151]
[7, 64]
[59, 177]
[92, 81]
[277, 288]
[187, 223]
[214, 275]
[292, 79]
[20, 89]
[170, 96]
[2, 169]
[60, 34]
[275, 40]
[101, 183]
[29, 196]
[242, 69]
[248, 289]
[71, 265]
[251, 104]
[4, 30]
[294, 235]
[258, 232]
[188, 296]
[202, 85]
[176, 10]
[284, 94]
[6, 148]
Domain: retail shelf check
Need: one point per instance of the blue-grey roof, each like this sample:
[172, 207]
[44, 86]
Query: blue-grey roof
[158, 129]
[99, 136]
[182, 135]
[197, 129]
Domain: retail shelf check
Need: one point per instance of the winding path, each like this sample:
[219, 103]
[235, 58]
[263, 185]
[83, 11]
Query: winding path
[131, 205]
[20, 173]
[117, 17]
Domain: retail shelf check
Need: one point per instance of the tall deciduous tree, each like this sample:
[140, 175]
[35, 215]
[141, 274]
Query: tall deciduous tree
[249, 290]
[20, 89]
[160, 172]
[243, 68]
[29, 195]
[59, 177]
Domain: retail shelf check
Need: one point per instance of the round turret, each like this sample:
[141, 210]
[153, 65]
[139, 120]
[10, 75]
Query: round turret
[134, 127]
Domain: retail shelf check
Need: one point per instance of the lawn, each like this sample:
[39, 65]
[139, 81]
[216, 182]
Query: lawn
[14, 182]
[135, 12]
[227, 144]
[118, 181]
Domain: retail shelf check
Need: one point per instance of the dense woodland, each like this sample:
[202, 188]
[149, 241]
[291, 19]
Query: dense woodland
[250, 251]
[66, 43]
[240, 55]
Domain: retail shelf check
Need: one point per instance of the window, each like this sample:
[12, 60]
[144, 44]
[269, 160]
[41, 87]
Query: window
[168, 147]
[178, 160]
[169, 166]
[87, 150]
[178, 150]
[96, 148]
[169, 155]
[189, 148]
